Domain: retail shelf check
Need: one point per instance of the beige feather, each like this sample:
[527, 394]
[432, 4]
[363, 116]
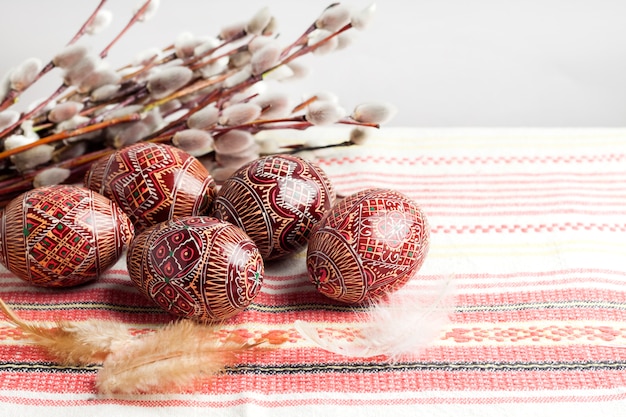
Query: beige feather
[169, 359]
[79, 343]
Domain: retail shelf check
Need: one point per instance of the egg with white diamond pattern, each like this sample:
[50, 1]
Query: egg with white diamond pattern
[276, 200]
[370, 244]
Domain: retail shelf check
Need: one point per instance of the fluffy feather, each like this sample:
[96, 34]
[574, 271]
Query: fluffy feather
[396, 327]
[169, 359]
[73, 343]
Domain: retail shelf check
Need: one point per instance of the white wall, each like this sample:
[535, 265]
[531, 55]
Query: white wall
[441, 62]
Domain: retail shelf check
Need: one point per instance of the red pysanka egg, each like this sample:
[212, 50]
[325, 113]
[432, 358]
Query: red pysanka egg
[152, 183]
[196, 267]
[369, 244]
[62, 235]
[276, 200]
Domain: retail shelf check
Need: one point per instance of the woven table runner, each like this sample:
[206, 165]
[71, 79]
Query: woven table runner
[529, 224]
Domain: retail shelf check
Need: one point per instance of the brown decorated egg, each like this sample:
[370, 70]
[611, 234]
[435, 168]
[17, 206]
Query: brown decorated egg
[276, 200]
[62, 235]
[196, 267]
[153, 183]
[369, 244]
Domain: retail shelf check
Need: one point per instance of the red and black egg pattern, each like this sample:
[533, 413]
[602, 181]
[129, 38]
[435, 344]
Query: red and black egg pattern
[153, 183]
[369, 244]
[196, 267]
[63, 235]
[276, 200]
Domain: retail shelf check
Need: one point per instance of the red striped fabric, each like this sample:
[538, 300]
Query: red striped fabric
[528, 223]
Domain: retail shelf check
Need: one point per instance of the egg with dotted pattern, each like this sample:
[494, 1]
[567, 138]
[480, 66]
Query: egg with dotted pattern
[196, 267]
[62, 235]
[368, 245]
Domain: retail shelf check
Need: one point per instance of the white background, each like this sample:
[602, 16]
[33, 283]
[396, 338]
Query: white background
[440, 62]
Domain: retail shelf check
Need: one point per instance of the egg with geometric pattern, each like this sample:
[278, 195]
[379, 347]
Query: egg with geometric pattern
[196, 267]
[62, 235]
[276, 200]
[368, 245]
[153, 183]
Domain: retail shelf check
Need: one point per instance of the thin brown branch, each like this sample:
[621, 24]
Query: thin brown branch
[305, 103]
[130, 23]
[38, 108]
[83, 28]
[192, 88]
[71, 133]
[310, 48]
[13, 95]
[175, 124]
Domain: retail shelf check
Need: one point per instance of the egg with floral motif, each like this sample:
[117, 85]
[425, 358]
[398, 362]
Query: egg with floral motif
[370, 244]
[62, 235]
[153, 183]
[196, 267]
[276, 200]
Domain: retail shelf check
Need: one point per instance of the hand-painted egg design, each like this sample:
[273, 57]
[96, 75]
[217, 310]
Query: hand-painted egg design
[153, 183]
[276, 200]
[369, 244]
[62, 235]
[196, 267]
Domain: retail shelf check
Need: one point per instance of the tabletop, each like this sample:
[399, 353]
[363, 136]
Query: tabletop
[528, 225]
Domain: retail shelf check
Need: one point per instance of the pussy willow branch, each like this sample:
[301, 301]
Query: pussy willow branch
[11, 187]
[310, 48]
[83, 28]
[174, 125]
[134, 19]
[13, 95]
[160, 135]
[10, 99]
[36, 110]
[190, 89]
[302, 39]
[134, 91]
[70, 134]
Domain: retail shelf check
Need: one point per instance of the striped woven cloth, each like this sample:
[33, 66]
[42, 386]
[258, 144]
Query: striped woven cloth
[530, 224]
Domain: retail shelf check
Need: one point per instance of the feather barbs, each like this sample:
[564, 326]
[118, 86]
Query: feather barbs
[166, 359]
[79, 343]
[396, 327]
[171, 358]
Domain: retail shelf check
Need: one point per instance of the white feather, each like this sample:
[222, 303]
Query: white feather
[401, 325]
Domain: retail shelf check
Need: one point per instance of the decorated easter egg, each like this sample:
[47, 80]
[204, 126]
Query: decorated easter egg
[276, 200]
[196, 267]
[62, 235]
[153, 183]
[369, 244]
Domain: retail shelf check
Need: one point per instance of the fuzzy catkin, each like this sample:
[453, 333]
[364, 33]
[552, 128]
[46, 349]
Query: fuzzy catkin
[195, 142]
[239, 113]
[257, 24]
[70, 56]
[234, 142]
[24, 75]
[333, 18]
[168, 80]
